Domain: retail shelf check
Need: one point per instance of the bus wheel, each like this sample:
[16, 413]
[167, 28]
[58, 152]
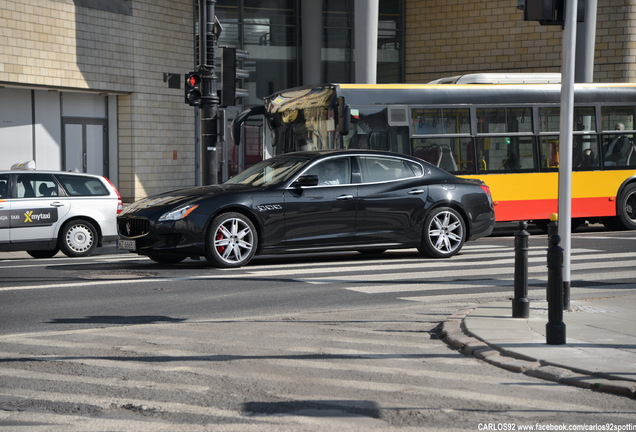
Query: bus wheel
[626, 208]
[444, 233]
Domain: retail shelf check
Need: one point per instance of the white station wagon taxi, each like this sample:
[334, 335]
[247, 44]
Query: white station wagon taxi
[43, 212]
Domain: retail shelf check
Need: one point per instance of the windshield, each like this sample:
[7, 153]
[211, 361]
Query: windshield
[268, 172]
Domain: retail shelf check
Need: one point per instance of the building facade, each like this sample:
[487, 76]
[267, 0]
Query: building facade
[97, 85]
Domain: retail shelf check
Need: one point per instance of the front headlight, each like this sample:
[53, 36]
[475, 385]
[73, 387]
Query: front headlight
[179, 213]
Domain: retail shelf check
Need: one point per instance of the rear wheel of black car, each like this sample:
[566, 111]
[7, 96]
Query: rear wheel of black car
[231, 240]
[78, 238]
[444, 233]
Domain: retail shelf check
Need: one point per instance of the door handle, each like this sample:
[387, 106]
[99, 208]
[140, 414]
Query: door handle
[345, 197]
[416, 192]
[56, 204]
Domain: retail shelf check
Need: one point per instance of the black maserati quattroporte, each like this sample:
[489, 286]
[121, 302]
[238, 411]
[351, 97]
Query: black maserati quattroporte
[312, 201]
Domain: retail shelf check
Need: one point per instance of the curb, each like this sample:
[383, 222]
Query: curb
[455, 335]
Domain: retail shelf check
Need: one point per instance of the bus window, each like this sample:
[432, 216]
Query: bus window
[456, 155]
[618, 145]
[370, 130]
[549, 152]
[506, 154]
[585, 152]
[612, 115]
[550, 117]
[433, 121]
[504, 120]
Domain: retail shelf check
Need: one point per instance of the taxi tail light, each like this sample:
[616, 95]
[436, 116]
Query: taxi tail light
[120, 203]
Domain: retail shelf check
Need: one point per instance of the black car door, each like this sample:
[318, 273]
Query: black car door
[324, 215]
[391, 201]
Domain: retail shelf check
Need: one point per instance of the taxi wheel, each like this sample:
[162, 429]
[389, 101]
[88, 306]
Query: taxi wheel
[43, 253]
[78, 238]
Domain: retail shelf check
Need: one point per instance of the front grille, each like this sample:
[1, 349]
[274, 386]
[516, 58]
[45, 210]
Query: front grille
[132, 227]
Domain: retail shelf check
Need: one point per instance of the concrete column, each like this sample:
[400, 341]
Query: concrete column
[365, 55]
[311, 41]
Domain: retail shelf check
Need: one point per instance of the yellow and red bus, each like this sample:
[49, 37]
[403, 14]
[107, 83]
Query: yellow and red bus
[504, 134]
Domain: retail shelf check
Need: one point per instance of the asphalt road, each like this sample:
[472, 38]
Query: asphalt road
[309, 343]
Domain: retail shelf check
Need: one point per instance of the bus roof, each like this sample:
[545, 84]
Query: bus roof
[446, 94]
[501, 78]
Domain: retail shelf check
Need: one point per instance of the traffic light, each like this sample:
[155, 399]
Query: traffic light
[193, 89]
[549, 12]
[232, 74]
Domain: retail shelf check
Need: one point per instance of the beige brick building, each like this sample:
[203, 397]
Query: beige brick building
[52, 49]
[453, 37]
[77, 72]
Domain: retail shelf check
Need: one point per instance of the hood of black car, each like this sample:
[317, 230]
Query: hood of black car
[186, 196]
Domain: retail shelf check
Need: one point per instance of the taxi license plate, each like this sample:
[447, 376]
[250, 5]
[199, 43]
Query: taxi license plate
[127, 244]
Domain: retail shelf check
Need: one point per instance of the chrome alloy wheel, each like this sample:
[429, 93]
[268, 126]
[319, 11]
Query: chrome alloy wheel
[232, 241]
[444, 233]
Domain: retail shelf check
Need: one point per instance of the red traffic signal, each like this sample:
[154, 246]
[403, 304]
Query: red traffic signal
[193, 89]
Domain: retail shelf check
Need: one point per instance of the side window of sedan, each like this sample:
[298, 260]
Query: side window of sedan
[4, 186]
[380, 169]
[36, 186]
[335, 171]
[82, 186]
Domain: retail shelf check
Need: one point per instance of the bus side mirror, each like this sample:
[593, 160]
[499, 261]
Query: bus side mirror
[344, 116]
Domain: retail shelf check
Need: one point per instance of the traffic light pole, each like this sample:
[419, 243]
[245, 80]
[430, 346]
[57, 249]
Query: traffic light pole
[209, 30]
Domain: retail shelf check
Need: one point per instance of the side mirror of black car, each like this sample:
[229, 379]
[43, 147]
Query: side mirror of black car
[306, 180]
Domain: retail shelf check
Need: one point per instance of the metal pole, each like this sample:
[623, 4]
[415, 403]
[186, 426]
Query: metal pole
[208, 41]
[520, 303]
[565, 138]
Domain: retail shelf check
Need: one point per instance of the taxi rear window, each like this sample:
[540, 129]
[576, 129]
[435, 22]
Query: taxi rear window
[82, 186]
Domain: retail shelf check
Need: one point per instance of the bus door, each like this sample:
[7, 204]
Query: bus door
[236, 157]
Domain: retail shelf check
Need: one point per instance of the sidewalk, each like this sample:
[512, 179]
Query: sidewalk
[600, 348]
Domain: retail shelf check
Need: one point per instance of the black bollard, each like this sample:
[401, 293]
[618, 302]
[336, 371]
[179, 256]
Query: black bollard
[520, 303]
[555, 328]
[553, 229]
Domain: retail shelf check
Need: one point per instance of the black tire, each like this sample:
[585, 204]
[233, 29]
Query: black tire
[444, 233]
[43, 253]
[231, 241]
[613, 223]
[78, 238]
[166, 259]
[626, 207]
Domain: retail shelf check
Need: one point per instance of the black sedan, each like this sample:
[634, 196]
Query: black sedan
[330, 200]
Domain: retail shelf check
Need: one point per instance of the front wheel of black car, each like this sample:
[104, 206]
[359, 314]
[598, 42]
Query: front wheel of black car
[444, 233]
[231, 241]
